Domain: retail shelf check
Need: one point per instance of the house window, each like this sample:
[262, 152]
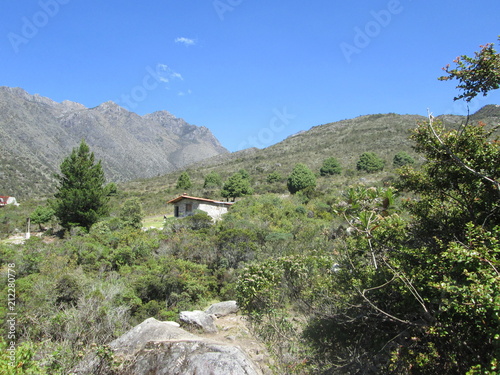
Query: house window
[189, 207]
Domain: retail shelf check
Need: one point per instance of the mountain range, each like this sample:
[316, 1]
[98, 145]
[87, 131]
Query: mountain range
[37, 133]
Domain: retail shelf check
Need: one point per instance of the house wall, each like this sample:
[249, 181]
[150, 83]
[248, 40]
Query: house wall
[182, 207]
[4, 200]
[12, 200]
[214, 210]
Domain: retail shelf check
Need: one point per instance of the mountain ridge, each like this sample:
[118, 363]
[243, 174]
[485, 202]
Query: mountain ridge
[38, 133]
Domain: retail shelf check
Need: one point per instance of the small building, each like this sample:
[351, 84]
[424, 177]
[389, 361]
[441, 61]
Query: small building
[186, 205]
[5, 200]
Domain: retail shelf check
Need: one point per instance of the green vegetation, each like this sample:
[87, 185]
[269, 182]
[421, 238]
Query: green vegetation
[370, 162]
[273, 178]
[212, 180]
[42, 215]
[401, 159]
[238, 185]
[331, 166]
[81, 199]
[131, 213]
[301, 178]
[386, 273]
[184, 182]
[477, 75]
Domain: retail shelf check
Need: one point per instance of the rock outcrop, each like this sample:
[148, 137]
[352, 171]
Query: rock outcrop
[223, 308]
[198, 320]
[155, 347]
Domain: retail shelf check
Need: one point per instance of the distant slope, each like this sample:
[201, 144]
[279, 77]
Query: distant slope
[346, 140]
[38, 133]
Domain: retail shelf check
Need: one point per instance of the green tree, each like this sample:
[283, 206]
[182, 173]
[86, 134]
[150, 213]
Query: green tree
[455, 260]
[212, 179]
[434, 278]
[184, 181]
[236, 186]
[331, 166]
[370, 162]
[479, 74]
[41, 215]
[401, 159]
[81, 198]
[458, 183]
[131, 213]
[301, 178]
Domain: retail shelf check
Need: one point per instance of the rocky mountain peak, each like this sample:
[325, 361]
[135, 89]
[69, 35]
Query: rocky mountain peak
[110, 106]
[40, 135]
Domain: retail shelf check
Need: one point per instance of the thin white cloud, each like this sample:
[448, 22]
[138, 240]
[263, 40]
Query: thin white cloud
[165, 74]
[185, 41]
[175, 75]
[184, 93]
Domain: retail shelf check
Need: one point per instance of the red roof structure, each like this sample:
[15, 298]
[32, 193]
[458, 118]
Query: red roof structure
[3, 200]
[185, 196]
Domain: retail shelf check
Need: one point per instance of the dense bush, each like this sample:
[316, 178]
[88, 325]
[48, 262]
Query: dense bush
[184, 181]
[301, 178]
[331, 166]
[370, 162]
[212, 180]
[401, 159]
[238, 185]
[131, 213]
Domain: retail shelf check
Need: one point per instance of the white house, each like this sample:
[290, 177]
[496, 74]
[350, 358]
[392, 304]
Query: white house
[5, 200]
[186, 205]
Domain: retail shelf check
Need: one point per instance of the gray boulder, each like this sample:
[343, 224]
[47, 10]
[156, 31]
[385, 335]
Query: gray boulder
[223, 309]
[155, 347]
[198, 320]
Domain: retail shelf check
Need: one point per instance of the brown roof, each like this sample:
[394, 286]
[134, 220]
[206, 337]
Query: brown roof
[185, 196]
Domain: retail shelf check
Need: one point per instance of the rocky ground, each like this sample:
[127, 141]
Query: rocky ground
[217, 341]
[235, 329]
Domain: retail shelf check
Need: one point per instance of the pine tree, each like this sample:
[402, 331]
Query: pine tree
[81, 199]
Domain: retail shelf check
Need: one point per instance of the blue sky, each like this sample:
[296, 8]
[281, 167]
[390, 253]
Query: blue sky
[253, 72]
